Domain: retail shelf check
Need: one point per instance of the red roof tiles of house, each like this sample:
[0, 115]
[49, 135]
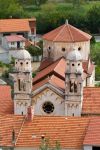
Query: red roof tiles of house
[15, 25]
[15, 38]
[66, 33]
[8, 124]
[68, 131]
[91, 101]
[6, 103]
[93, 132]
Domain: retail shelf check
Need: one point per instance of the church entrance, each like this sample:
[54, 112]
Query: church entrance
[96, 148]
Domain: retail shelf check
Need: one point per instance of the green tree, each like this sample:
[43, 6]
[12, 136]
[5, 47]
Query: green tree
[93, 19]
[34, 50]
[10, 8]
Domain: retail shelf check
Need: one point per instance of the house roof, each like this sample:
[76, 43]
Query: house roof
[66, 33]
[15, 25]
[68, 131]
[53, 68]
[15, 38]
[58, 68]
[8, 124]
[91, 102]
[6, 103]
[93, 132]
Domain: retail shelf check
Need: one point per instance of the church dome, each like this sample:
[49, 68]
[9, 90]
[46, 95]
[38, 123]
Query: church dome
[23, 54]
[74, 55]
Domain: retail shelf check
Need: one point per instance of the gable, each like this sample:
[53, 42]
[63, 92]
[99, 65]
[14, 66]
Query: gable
[48, 99]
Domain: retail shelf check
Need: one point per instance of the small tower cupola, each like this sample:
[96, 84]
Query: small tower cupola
[23, 61]
[73, 83]
[74, 62]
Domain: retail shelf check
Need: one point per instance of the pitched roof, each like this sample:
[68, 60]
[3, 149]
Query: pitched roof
[58, 68]
[6, 103]
[91, 102]
[93, 132]
[66, 33]
[14, 25]
[53, 68]
[68, 131]
[15, 38]
[8, 123]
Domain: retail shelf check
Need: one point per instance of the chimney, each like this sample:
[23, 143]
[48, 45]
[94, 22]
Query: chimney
[13, 136]
[66, 22]
[30, 113]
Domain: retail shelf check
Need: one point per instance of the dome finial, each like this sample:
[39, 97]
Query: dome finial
[66, 22]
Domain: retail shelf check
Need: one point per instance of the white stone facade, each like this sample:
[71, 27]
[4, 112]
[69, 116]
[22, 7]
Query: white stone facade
[22, 83]
[48, 95]
[59, 49]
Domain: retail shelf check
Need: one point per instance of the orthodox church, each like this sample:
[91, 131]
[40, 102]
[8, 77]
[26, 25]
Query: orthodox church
[61, 103]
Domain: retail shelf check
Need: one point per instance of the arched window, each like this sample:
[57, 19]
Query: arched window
[19, 85]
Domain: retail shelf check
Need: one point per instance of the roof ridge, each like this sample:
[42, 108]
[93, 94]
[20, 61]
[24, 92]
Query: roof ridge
[59, 32]
[20, 130]
[70, 33]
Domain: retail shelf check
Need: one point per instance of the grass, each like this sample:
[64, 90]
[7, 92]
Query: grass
[60, 7]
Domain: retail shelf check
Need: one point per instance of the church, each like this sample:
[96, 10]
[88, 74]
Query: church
[61, 103]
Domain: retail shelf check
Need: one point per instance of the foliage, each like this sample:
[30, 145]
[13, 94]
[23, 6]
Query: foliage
[97, 73]
[34, 50]
[93, 17]
[45, 145]
[95, 53]
[10, 8]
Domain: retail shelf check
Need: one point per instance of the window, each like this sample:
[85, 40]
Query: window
[27, 63]
[72, 64]
[79, 48]
[12, 43]
[19, 85]
[21, 63]
[63, 49]
[48, 107]
[79, 64]
[73, 87]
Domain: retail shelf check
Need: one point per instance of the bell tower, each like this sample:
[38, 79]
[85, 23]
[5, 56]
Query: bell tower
[73, 84]
[22, 82]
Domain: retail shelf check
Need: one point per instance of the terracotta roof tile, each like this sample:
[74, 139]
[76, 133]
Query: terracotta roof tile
[6, 103]
[91, 101]
[8, 123]
[69, 132]
[93, 133]
[14, 25]
[66, 33]
[15, 38]
[46, 71]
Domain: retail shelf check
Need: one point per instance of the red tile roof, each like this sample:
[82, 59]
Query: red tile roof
[8, 123]
[68, 131]
[66, 33]
[14, 25]
[15, 38]
[91, 100]
[93, 133]
[50, 69]
[45, 63]
[6, 103]
[58, 68]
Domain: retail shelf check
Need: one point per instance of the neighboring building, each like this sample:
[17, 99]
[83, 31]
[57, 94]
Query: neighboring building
[24, 27]
[59, 103]
[14, 35]
[13, 42]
